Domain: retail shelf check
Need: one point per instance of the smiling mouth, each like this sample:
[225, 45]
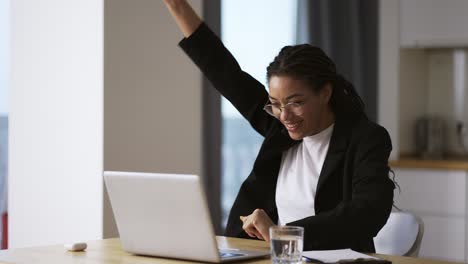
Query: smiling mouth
[292, 126]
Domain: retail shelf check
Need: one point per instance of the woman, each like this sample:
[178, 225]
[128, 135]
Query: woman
[323, 165]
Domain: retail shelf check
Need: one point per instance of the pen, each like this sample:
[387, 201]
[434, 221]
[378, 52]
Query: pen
[307, 259]
[349, 261]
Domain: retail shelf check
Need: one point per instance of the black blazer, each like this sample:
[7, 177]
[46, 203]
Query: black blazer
[354, 194]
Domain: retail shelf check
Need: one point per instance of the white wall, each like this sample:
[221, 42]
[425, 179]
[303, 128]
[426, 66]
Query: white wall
[4, 46]
[94, 85]
[56, 116]
[152, 94]
[152, 91]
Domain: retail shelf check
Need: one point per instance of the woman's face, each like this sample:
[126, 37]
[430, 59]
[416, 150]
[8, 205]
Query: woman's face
[311, 113]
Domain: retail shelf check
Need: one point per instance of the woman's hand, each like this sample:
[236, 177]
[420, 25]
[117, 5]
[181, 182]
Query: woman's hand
[257, 224]
[185, 17]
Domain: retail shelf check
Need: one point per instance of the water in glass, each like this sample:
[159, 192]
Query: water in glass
[286, 249]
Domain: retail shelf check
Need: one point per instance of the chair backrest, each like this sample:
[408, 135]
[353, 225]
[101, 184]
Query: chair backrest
[401, 235]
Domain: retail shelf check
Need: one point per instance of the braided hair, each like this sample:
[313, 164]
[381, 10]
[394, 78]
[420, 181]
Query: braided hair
[311, 65]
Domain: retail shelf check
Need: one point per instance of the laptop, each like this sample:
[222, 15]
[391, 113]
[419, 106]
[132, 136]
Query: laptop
[166, 215]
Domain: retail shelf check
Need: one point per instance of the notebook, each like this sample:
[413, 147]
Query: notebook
[340, 256]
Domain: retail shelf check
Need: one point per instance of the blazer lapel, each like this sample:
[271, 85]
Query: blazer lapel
[336, 151]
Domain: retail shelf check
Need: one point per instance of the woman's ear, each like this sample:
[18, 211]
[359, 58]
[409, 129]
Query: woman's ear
[326, 93]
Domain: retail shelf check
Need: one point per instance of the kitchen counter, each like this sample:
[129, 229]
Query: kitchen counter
[450, 163]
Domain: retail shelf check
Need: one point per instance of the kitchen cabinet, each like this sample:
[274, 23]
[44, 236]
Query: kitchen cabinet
[439, 198]
[433, 23]
[415, 66]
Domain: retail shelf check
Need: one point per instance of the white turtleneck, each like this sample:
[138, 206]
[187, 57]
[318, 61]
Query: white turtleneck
[298, 177]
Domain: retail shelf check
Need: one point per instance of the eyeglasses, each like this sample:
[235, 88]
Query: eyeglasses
[275, 110]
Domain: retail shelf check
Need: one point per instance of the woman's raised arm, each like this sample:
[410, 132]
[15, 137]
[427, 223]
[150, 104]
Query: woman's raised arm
[184, 15]
[207, 51]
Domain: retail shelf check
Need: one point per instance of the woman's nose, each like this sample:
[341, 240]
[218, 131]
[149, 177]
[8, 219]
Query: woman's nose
[285, 114]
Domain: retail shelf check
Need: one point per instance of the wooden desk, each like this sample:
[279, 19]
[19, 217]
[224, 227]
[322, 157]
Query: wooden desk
[109, 251]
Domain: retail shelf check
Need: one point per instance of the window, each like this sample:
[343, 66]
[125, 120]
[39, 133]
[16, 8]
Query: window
[254, 31]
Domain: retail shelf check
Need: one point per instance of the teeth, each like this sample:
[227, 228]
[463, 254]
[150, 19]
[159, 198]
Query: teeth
[292, 125]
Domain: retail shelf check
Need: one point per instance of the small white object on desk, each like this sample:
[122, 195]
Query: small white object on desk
[76, 246]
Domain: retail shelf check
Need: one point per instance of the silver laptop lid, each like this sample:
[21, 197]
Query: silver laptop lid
[162, 215]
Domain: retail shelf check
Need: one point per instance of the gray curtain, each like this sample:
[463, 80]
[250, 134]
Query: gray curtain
[347, 31]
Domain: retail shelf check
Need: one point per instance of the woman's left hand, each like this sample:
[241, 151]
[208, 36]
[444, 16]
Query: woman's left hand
[257, 224]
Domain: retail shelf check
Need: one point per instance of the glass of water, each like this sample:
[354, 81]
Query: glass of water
[286, 244]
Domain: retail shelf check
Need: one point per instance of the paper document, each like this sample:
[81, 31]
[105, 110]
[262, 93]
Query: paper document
[333, 256]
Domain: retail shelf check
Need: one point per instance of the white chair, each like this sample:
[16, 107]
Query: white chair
[401, 235]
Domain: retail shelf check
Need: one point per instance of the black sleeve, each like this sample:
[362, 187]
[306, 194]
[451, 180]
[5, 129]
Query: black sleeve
[246, 94]
[367, 211]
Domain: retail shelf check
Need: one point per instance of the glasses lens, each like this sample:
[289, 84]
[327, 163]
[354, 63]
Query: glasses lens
[296, 109]
[275, 111]
[272, 110]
